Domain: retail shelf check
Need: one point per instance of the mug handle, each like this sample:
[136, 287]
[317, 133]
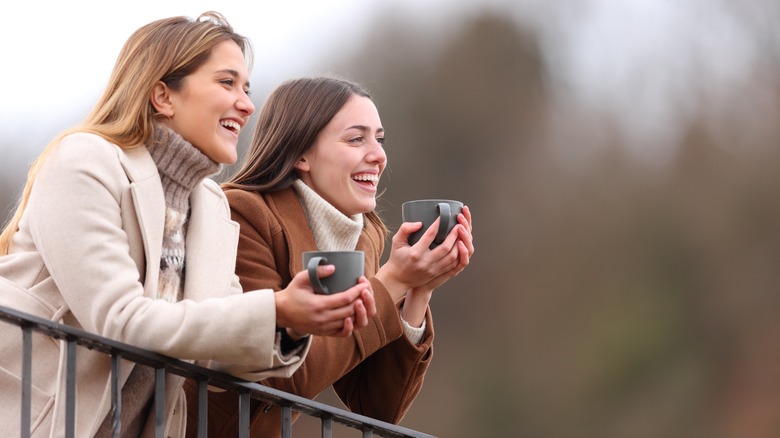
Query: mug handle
[445, 220]
[316, 284]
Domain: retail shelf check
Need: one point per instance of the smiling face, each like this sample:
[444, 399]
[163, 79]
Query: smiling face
[347, 159]
[212, 105]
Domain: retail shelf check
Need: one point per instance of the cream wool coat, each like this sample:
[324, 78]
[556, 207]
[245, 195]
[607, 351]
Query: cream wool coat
[88, 254]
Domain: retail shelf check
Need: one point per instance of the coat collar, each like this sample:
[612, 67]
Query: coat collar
[212, 238]
[287, 208]
[285, 205]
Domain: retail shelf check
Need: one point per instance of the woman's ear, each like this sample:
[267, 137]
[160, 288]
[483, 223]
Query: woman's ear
[161, 99]
[302, 165]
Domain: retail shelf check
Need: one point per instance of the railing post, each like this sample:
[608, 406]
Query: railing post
[116, 396]
[203, 409]
[286, 422]
[159, 402]
[327, 426]
[243, 415]
[26, 379]
[70, 390]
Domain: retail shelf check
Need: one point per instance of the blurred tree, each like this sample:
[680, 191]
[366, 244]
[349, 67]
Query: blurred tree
[606, 300]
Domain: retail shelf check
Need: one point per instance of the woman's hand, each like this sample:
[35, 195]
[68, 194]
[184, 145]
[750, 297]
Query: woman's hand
[420, 267]
[417, 298]
[298, 308]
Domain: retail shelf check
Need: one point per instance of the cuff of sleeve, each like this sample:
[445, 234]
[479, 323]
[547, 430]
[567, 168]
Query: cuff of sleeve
[414, 334]
[287, 345]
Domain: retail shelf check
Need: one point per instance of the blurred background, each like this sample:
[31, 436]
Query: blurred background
[621, 160]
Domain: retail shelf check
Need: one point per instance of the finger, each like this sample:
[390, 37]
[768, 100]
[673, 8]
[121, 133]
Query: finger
[401, 237]
[369, 303]
[325, 270]
[428, 236]
[348, 296]
[467, 239]
[453, 257]
[361, 318]
[466, 212]
[345, 298]
[463, 256]
[449, 243]
[346, 328]
[301, 279]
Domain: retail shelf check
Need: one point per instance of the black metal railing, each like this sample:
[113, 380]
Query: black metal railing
[165, 365]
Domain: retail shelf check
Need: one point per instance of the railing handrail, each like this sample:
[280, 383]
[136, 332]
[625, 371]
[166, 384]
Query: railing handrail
[214, 378]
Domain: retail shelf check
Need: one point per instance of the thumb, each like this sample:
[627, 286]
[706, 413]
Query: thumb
[406, 229]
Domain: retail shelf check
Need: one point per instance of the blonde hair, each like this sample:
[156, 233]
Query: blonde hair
[165, 50]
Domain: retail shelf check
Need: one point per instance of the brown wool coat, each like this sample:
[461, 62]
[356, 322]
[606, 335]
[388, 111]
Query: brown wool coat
[376, 372]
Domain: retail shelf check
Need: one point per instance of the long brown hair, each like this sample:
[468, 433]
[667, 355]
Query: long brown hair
[288, 125]
[165, 50]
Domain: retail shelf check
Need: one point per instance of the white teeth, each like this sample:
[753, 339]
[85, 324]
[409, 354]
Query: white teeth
[231, 124]
[366, 177]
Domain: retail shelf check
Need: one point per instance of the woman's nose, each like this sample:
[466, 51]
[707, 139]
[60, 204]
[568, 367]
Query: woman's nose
[377, 153]
[245, 105]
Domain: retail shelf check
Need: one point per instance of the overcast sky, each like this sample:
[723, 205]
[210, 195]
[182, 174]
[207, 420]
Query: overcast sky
[57, 55]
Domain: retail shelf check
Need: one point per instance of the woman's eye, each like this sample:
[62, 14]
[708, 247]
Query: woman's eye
[356, 140]
[228, 82]
[380, 140]
[247, 91]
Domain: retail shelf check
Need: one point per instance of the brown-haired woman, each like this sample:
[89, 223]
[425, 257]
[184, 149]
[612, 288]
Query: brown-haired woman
[310, 183]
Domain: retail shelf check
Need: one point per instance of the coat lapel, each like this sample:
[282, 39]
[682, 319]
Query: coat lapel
[212, 242]
[149, 203]
[286, 206]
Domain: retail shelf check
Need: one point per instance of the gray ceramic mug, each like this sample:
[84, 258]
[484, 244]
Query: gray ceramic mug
[349, 268]
[427, 211]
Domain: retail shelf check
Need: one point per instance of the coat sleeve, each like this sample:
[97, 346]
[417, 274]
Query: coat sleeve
[77, 213]
[385, 384]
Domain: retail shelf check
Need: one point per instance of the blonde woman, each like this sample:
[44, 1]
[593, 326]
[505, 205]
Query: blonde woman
[120, 232]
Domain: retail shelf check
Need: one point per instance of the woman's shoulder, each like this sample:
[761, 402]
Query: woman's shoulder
[82, 152]
[91, 152]
[250, 205]
[269, 207]
[86, 145]
[242, 199]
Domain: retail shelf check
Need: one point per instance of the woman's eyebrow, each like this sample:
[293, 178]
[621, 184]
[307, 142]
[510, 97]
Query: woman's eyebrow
[365, 128]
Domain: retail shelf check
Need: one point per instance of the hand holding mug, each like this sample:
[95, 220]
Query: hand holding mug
[428, 211]
[349, 268]
[304, 312]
